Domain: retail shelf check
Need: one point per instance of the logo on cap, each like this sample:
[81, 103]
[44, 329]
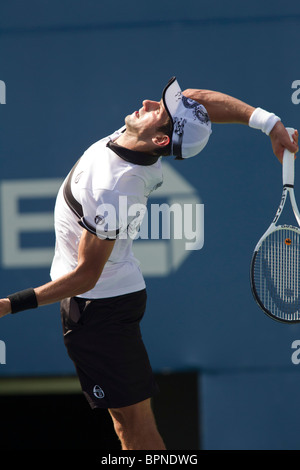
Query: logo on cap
[199, 111]
[179, 125]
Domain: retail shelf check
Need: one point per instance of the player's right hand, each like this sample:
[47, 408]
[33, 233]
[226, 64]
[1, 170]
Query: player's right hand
[5, 307]
[280, 140]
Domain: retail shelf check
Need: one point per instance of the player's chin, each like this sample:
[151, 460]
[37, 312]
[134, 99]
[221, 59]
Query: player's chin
[130, 120]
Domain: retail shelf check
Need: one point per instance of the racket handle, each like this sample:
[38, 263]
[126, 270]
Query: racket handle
[288, 163]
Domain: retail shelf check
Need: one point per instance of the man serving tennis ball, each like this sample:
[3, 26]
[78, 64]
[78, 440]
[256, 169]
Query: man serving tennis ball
[94, 273]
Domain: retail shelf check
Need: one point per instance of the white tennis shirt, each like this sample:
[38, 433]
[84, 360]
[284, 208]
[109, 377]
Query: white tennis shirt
[110, 191]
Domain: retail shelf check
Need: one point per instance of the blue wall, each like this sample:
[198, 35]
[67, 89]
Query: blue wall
[72, 71]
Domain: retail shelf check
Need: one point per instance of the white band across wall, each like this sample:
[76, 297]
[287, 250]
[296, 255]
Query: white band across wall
[263, 120]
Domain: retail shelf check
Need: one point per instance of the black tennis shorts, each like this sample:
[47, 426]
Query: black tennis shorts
[104, 341]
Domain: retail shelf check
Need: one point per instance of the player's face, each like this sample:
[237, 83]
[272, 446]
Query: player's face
[148, 118]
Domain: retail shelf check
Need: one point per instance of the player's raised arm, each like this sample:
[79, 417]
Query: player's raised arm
[221, 108]
[225, 109]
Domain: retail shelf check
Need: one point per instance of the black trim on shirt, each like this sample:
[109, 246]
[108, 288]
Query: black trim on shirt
[132, 156]
[76, 207]
[73, 204]
[85, 224]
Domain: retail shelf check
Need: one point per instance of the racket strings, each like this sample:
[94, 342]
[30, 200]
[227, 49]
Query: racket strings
[276, 274]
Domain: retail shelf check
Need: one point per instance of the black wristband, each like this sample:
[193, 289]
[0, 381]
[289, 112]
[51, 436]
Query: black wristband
[23, 300]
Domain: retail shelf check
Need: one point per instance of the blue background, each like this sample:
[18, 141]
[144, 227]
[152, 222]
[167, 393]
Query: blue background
[72, 71]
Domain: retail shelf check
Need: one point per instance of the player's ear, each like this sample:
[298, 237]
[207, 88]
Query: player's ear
[161, 140]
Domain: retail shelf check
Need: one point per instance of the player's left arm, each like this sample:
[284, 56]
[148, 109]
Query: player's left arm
[221, 108]
[92, 255]
[225, 109]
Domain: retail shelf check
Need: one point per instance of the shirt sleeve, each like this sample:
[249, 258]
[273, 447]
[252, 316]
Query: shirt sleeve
[111, 214]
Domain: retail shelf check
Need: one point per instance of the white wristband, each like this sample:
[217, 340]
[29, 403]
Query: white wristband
[263, 120]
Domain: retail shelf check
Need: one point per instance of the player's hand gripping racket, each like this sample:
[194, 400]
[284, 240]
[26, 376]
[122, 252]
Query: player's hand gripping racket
[275, 274]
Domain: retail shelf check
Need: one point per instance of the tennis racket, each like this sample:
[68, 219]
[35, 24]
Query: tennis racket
[275, 265]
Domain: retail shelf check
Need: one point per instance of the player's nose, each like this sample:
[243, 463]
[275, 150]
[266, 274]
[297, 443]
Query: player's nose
[150, 105]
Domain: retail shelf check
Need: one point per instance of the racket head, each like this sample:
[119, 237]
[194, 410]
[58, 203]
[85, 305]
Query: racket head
[275, 274]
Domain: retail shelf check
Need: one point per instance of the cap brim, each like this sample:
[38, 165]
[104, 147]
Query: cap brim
[171, 96]
[190, 132]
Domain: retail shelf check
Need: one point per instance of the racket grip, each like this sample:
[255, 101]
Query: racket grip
[288, 162]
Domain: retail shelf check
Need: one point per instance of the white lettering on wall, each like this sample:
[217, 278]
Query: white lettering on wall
[13, 222]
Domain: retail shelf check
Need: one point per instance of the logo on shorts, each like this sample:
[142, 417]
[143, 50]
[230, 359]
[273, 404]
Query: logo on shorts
[98, 392]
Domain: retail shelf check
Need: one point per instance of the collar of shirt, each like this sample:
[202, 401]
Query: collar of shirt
[132, 156]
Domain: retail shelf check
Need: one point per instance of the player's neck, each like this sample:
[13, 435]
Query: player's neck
[132, 142]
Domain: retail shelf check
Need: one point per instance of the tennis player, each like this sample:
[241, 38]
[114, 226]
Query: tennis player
[94, 274]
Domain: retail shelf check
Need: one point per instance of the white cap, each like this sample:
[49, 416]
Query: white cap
[191, 124]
